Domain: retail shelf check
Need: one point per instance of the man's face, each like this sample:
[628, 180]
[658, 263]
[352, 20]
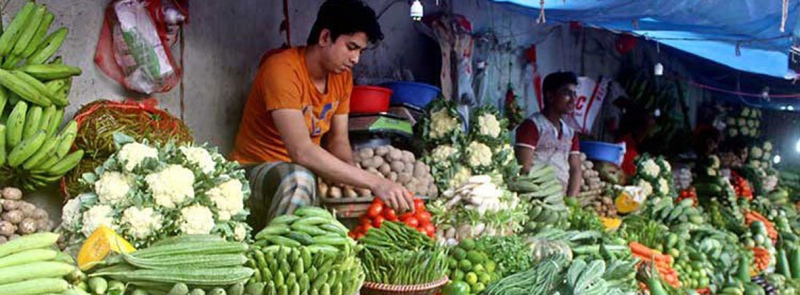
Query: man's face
[563, 99]
[343, 53]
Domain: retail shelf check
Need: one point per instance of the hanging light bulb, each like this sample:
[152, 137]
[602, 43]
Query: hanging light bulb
[776, 159]
[765, 93]
[659, 69]
[417, 11]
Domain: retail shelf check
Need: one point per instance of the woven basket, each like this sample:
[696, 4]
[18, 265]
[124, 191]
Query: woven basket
[432, 288]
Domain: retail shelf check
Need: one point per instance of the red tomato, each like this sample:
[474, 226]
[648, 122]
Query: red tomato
[366, 228]
[378, 201]
[364, 220]
[423, 216]
[390, 214]
[430, 229]
[412, 222]
[378, 221]
[406, 216]
[419, 205]
[422, 230]
[375, 210]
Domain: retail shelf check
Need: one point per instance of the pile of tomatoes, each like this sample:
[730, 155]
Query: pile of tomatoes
[742, 187]
[688, 193]
[378, 212]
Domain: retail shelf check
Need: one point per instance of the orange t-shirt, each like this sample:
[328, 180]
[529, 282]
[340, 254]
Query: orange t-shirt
[283, 82]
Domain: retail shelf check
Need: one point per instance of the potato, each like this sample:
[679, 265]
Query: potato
[10, 205]
[14, 216]
[7, 228]
[366, 153]
[395, 155]
[364, 192]
[419, 170]
[404, 177]
[381, 150]
[385, 169]
[43, 225]
[350, 193]
[12, 193]
[27, 208]
[3, 240]
[335, 192]
[393, 176]
[378, 161]
[39, 213]
[374, 171]
[398, 166]
[322, 188]
[27, 226]
[433, 191]
[408, 156]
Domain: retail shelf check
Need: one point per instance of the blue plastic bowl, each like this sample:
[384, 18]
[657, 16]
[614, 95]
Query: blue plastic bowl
[416, 94]
[602, 151]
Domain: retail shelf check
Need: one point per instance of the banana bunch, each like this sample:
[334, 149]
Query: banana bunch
[684, 211]
[25, 48]
[32, 153]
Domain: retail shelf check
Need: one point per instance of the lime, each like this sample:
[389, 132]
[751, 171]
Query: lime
[471, 278]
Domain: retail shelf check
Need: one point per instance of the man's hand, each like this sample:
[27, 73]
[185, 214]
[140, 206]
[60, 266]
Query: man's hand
[393, 194]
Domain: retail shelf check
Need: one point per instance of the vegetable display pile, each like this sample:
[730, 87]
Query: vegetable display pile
[390, 163]
[593, 191]
[18, 217]
[178, 264]
[471, 267]
[379, 213]
[545, 193]
[33, 96]
[29, 266]
[396, 254]
[147, 193]
[305, 253]
[745, 124]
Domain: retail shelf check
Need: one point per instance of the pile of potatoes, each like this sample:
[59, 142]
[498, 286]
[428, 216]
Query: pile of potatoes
[390, 163]
[19, 218]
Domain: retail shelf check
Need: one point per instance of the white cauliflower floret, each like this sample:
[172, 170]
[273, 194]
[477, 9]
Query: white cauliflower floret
[196, 220]
[733, 132]
[112, 187]
[441, 155]
[745, 112]
[745, 131]
[752, 123]
[199, 157]
[667, 167]
[489, 125]
[742, 122]
[141, 222]
[97, 216]
[479, 154]
[240, 232]
[651, 168]
[460, 177]
[663, 187]
[228, 197]
[442, 124]
[767, 157]
[71, 212]
[756, 152]
[171, 186]
[133, 154]
[509, 154]
[768, 146]
[647, 188]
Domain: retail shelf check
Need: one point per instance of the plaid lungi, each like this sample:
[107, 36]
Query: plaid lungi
[278, 188]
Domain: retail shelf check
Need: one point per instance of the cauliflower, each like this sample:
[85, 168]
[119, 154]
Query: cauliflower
[196, 220]
[742, 122]
[479, 154]
[141, 222]
[651, 168]
[441, 124]
[663, 187]
[441, 155]
[171, 186]
[132, 154]
[509, 154]
[756, 152]
[745, 131]
[71, 212]
[97, 216]
[240, 232]
[733, 132]
[461, 177]
[746, 112]
[488, 125]
[768, 146]
[228, 197]
[199, 157]
[647, 188]
[752, 123]
[667, 167]
[112, 187]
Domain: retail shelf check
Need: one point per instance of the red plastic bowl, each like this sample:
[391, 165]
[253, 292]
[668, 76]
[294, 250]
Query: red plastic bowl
[370, 99]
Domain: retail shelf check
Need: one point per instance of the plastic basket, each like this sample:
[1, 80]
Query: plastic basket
[413, 93]
[602, 151]
[432, 288]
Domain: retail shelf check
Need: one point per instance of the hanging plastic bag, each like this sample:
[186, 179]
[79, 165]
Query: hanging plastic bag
[133, 47]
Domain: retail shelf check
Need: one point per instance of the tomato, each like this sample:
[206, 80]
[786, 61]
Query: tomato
[375, 210]
[419, 205]
[390, 214]
[406, 215]
[378, 221]
[430, 229]
[366, 228]
[423, 216]
[412, 222]
[364, 220]
[422, 230]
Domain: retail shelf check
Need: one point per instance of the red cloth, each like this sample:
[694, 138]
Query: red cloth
[631, 152]
[528, 135]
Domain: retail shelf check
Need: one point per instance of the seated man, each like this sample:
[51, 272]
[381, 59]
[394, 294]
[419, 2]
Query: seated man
[294, 124]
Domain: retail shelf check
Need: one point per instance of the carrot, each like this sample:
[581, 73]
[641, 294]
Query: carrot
[640, 249]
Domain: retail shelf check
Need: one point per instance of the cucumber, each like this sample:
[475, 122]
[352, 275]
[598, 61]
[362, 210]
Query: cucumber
[301, 237]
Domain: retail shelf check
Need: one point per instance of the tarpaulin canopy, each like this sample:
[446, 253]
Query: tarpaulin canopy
[742, 34]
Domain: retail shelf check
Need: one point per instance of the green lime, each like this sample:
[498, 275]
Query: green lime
[471, 278]
[465, 265]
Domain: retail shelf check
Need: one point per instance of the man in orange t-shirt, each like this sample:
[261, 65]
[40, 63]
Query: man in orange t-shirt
[294, 124]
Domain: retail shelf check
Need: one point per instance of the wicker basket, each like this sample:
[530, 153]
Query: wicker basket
[370, 288]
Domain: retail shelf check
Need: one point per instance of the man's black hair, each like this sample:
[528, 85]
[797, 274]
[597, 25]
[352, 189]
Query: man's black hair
[556, 80]
[345, 17]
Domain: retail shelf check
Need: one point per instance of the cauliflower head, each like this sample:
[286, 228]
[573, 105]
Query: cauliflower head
[199, 157]
[71, 213]
[479, 154]
[112, 187]
[489, 125]
[756, 152]
[240, 232]
[97, 216]
[460, 177]
[228, 198]
[651, 168]
[442, 124]
[647, 188]
[171, 186]
[132, 154]
[663, 186]
[768, 146]
[142, 222]
[196, 220]
[441, 155]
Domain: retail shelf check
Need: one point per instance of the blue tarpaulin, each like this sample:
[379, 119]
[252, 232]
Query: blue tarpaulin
[742, 34]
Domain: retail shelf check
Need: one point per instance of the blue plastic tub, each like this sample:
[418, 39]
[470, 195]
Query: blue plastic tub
[602, 151]
[416, 94]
